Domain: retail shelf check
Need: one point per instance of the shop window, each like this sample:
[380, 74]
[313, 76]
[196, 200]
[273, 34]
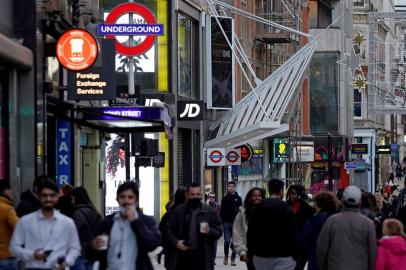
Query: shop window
[357, 103]
[324, 93]
[187, 57]
[320, 14]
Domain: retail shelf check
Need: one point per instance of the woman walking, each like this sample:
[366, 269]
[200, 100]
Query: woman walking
[240, 226]
[392, 247]
[87, 219]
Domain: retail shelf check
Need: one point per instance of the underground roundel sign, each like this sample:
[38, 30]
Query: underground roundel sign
[150, 28]
[233, 157]
[216, 157]
[77, 50]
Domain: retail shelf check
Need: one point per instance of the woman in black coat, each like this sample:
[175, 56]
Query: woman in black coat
[87, 219]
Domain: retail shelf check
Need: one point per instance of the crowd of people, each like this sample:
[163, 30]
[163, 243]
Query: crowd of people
[348, 230]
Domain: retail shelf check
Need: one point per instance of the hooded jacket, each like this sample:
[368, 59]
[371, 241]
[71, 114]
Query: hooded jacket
[29, 203]
[8, 221]
[391, 253]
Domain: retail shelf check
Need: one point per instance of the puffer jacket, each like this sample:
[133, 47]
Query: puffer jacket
[8, 221]
[391, 253]
[240, 228]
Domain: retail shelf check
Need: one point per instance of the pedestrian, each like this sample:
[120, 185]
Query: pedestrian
[230, 205]
[125, 238]
[46, 239]
[392, 247]
[29, 199]
[193, 229]
[240, 227]
[347, 239]
[178, 199]
[303, 212]
[8, 222]
[399, 172]
[370, 209]
[211, 201]
[65, 204]
[87, 219]
[326, 205]
[272, 232]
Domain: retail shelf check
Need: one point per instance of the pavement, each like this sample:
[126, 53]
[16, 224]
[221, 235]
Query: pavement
[219, 260]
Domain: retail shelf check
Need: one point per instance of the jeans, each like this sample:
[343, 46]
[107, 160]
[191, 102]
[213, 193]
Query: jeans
[274, 263]
[214, 252]
[8, 264]
[228, 234]
[82, 264]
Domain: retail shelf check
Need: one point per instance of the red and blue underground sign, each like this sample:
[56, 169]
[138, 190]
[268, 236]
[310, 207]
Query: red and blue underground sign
[150, 29]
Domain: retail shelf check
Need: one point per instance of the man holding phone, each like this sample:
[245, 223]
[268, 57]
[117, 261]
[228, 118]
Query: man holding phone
[193, 230]
[125, 238]
[46, 239]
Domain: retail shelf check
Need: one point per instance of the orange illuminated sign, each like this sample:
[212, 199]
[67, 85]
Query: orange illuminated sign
[77, 50]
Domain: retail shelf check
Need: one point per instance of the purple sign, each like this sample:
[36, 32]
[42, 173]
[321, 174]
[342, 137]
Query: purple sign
[123, 113]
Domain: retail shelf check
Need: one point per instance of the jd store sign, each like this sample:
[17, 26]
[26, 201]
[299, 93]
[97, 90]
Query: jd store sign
[190, 110]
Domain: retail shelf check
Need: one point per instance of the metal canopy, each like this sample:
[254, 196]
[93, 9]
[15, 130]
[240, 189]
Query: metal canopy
[247, 121]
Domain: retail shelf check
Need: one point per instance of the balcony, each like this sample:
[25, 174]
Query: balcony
[272, 35]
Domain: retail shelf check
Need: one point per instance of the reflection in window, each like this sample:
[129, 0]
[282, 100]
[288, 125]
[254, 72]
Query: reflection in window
[357, 103]
[185, 44]
[320, 14]
[324, 93]
[358, 3]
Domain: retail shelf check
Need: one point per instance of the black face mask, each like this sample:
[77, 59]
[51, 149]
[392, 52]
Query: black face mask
[195, 202]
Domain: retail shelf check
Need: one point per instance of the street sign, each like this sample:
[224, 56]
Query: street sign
[216, 157]
[233, 157]
[150, 29]
[359, 149]
[77, 50]
[350, 165]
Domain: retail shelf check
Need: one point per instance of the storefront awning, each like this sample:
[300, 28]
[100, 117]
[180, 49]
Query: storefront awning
[260, 114]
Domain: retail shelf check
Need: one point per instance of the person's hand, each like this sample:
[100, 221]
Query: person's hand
[98, 242]
[181, 245]
[62, 266]
[131, 213]
[40, 255]
[243, 258]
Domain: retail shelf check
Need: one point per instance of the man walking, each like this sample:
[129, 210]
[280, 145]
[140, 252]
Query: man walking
[347, 239]
[8, 221]
[46, 239]
[272, 232]
[193, 230]
[125, 238]
[229, 208]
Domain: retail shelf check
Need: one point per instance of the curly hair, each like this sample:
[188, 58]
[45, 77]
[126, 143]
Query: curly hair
[113, 158]
[326, 201]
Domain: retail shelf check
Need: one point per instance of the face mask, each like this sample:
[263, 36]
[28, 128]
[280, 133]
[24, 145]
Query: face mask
[194, 202]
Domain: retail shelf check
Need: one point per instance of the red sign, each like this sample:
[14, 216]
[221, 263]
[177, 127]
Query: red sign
[216, 156]
[149, 17]
[77, 50]
[232, 156]
[246, 152]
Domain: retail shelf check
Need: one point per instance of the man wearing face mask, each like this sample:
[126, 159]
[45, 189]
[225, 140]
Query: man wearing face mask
[125, 238]
[192, 232]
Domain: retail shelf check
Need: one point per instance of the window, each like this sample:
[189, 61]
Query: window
[324, 93]
[357, 103]
[320, 14]
[244, 21]
[187, 57]
[358, 3]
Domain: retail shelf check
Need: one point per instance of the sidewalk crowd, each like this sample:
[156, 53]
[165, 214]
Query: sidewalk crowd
[350, 229]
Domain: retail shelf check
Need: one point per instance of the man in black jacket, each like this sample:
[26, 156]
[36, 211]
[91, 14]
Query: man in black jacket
[29, 200]
[131, 235]
[193, 228]
[229, 208]
[272, 232]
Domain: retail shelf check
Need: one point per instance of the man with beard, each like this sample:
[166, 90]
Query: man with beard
[46, 239]
[125, 238]
[192, 232]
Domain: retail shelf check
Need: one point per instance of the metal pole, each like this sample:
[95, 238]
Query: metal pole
[131, 75]
[330, 164]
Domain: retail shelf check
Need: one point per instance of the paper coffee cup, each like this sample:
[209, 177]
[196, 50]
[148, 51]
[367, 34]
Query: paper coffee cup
[203, 225]
[105, 239]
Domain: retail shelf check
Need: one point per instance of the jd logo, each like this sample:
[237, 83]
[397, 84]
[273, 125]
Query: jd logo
[188, 111]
